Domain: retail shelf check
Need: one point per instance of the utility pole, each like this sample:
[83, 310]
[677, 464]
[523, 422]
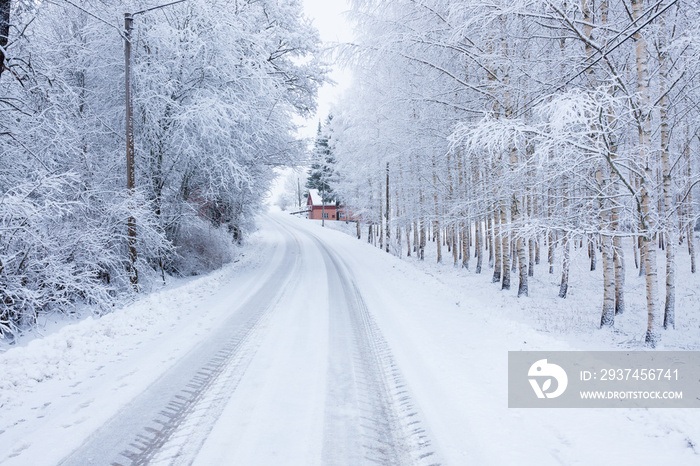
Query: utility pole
[131, 223]
[130, 184]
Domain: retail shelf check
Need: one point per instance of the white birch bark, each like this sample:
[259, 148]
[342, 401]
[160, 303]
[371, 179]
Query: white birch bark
[478, 244]
[648, 250]
[505, 249]
[496, 243]
[566, 251]
[608, 315]
[668, 207]
[619, 259]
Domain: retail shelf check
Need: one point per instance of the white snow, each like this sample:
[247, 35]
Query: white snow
[449, 331]
[284, 386]
[57, 390]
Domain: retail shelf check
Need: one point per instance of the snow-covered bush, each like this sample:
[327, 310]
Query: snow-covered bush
[201, 247]
[61, 245]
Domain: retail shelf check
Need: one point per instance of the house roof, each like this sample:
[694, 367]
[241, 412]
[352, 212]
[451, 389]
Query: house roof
[316, 198]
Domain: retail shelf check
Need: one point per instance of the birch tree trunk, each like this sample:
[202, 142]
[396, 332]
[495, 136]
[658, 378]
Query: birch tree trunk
[564, 286]
[604, 178]
[519, 243]
[489, 245]
[691, 248]
[399, 251]
[466, 226]
[437, 238]
[416, 237]
[454, 239]
[523, 266]
[422, 239]
[505, 249]
[388, 232]
[619, 259]
[648, 241]
[478, 240]
[550, 251]
[530, 242]
[566, 247]
[668, 208]
[640, 249]
[536, 239]
[608, 317]
[408, 240]
[618, 255]
[592, 244]
[436, 222]
[380, 226]
[498, 265]
[689, 206]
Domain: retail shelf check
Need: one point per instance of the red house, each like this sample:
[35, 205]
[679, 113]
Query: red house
[317, 210]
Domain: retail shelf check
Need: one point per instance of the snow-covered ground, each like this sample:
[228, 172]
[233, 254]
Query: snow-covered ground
[575, 319]
[57, 390]
[451, 329]
[344, 329]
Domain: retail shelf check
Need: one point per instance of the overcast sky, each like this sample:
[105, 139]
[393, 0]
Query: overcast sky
[328, 17]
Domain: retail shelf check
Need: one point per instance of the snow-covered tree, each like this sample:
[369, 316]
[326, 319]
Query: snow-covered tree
[323, 171]
[216, 85]
[524, 126]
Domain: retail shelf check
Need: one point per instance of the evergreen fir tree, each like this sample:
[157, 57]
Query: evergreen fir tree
[322, 168]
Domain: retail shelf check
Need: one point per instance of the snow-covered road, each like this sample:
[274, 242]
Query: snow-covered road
[295, 371]
[314, 349]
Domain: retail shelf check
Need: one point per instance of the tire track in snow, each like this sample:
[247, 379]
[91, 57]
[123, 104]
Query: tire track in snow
[167, 439]
[170, 421]
[370, 415]
[207, 402]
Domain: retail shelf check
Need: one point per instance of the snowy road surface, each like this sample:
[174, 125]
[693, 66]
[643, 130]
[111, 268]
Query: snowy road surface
[314, 349]
[296, 373]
